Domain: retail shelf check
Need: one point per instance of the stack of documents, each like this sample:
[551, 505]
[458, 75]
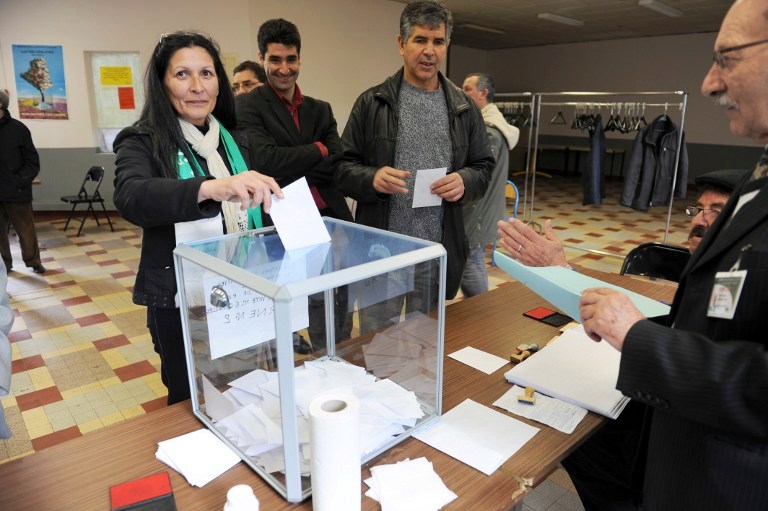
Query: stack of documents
[408, 484]
[577, 370]
[199, 456]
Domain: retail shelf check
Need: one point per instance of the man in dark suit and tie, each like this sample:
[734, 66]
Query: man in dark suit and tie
[702, 371]
[295, 136]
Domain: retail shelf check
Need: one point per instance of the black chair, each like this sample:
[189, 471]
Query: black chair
[88, 194]
[657, 261]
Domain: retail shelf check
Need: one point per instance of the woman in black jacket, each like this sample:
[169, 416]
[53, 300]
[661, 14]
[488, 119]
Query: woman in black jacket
[181, 163]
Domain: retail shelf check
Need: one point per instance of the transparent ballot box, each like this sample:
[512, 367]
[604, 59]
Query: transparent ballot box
[267, 330]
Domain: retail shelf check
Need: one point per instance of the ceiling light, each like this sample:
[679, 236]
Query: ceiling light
[481, 28]
[565, 20]
[663, 8]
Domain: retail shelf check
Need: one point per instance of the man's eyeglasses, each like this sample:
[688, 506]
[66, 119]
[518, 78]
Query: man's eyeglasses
[721, 59]
[695, 210]
[246, 86]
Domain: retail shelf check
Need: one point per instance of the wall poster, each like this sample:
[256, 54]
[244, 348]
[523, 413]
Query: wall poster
[118, 95]
[40, 85]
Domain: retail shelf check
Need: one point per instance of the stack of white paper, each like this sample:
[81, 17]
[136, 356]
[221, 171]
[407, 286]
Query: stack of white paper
[199, 456]
[408, 485]
[576, 369]
[249, 414]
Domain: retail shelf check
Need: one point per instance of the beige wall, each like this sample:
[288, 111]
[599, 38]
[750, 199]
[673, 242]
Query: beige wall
[668, 63]
[348, 45]
[93, 25]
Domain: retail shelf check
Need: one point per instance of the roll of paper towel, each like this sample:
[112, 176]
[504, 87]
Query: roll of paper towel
[334, 436]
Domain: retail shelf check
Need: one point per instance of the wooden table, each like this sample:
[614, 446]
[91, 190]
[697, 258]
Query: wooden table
[77, 474]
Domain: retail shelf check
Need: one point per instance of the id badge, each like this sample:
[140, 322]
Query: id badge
[726, 293]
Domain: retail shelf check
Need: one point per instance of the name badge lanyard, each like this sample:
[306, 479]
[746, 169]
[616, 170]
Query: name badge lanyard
[727, 290]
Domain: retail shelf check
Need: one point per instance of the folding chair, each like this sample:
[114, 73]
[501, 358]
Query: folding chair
[511, 194]
[88, 194]
[656, 261]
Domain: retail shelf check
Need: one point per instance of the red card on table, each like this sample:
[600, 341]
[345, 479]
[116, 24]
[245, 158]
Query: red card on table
[153, 492]
[539, 313]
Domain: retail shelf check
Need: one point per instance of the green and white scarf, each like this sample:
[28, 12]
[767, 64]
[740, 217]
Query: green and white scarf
[206, 146]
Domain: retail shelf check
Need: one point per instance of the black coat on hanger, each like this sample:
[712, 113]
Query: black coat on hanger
[652, 166]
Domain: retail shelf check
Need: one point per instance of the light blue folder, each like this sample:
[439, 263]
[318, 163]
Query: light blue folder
[562, 287]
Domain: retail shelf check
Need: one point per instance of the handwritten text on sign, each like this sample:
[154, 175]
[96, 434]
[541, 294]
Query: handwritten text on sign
[247, 320]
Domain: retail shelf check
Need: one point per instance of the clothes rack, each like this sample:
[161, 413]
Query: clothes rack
[677, 98]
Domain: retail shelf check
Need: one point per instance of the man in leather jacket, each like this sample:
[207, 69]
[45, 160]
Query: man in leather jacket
[417, 119]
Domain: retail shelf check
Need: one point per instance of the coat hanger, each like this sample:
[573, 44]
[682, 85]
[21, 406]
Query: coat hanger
[558, 118]
[642, 123]
[611, 124]
[576, 123]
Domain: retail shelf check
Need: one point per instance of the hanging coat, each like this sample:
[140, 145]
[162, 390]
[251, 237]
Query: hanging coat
[593, 180]
[652, 166]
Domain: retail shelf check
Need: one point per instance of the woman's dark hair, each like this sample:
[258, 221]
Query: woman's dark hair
[158, 115]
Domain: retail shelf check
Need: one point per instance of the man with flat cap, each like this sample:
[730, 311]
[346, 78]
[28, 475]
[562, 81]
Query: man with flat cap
[547, 250]
[714, 190]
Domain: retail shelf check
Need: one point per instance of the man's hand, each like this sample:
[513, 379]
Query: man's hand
[607, 314]
[248, 188]
[389, 180]
[450, 187]
[531, 249]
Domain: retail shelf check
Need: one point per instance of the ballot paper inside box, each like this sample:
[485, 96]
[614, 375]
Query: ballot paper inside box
[267, 330]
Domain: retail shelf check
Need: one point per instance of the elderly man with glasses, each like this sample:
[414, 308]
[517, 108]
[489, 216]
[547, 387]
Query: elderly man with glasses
[697, 377]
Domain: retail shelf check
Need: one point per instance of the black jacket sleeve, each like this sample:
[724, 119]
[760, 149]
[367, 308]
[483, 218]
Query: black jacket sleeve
[146, 199]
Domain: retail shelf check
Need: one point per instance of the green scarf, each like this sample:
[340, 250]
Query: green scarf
[236, 163]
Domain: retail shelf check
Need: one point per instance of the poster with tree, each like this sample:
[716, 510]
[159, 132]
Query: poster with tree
[40, 85]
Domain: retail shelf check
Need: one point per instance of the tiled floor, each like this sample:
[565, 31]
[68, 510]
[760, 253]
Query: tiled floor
[83, 359]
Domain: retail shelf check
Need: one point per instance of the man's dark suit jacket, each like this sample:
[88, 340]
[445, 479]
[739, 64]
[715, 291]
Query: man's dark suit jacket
[706, 379]
[287, 154]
